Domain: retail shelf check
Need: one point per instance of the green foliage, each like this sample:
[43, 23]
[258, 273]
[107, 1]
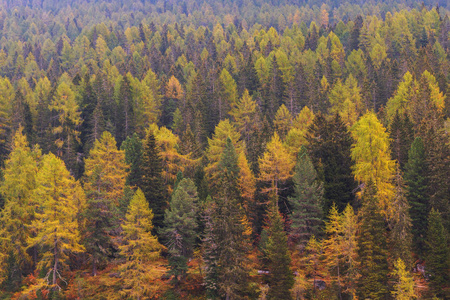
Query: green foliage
[307, 201]
[180, 222]
[151, 182]
[281, 277]
[437, 259]
[372, 249]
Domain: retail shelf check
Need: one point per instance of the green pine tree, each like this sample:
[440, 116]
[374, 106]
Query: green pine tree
[416, 193]
[180, 222]
[151, 181]
[372, 249]
[329, 147]
[306, 203]
[281, 277]
[437, 255]
[133, 157]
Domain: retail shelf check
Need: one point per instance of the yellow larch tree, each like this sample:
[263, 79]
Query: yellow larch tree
[57, 235]
[296, 137]
[140, 249]
[371, 154]
[19, 181]
[276, 166]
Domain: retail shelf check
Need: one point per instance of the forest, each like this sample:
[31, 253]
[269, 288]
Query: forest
[224, 149]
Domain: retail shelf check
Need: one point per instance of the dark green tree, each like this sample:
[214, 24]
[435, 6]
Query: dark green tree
[307, 201]
[133, 157]
[372, 249]
[227, 233]
[125, 121]
[329, 146]
[438, 255]
[416, 193]
[281, 277]
[151, 181]
[402, 134]
[180, 222]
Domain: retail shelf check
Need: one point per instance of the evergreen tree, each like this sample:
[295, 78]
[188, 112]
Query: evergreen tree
[132, 147]
[307, 201]
[438, 255]
[400, 237]
[329, 144]
[104, 184]
[281, 277]
[228, 233]
[402, 135]
[416, 193]
[372, 249]
[151, 181]
[58, 197]
[125, 119]
[141, 249]
[180, 222]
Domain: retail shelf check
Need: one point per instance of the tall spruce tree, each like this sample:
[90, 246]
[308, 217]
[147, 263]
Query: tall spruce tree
[132, 147]
[307, 201]
[180, 222]
[281, 277]
[372, 248]
[416, 193]
[437, 255]
[329, 144]
[226, 242]
[104, 184]
[151, 181]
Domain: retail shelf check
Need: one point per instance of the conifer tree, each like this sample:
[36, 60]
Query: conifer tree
[437, 255]
[281, 277]
[275, 167]
[307, 201]
[228, 233]
[372, 249]
[329, 145]
[374, 163]
[400, 235]
[57, 235]
[416, 193]
[132, 147]
[125, 120]
[404, 282]
[140, 249]
[151, 181]
[18, 183]
[104, 185]
[180, 223]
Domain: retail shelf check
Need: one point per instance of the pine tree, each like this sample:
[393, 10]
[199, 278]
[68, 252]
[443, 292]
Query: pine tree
[400, 235]
[57, 197]
[307, 201]
[132, 147]
[125, 120]
[416, 193]
[140, 249]
[104, 184]
[228, 233]
[329, 145]
[437, 255]
[281, 277]
[180, 228]
[372, 248]
[151, 182]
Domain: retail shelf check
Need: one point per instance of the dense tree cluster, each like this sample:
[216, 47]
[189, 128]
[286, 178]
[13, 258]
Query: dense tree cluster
[224, 150]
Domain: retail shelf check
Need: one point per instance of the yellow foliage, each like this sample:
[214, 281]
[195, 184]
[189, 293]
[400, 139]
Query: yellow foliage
[371, 154]
[276, 165]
